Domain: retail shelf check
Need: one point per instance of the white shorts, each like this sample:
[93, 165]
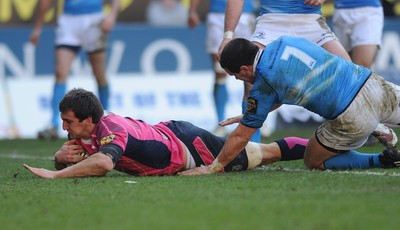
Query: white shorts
[358, 26]
[313, 27]
[377, 102]
[215, 29]
[81, 31]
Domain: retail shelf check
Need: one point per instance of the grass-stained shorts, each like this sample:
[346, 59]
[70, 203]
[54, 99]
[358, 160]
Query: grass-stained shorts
[376, 102]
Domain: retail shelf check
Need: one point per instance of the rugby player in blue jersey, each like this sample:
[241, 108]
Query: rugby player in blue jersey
[301, 18]
[292, 70]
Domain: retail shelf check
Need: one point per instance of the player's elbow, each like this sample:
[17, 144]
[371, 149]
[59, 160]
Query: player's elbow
[103, 162]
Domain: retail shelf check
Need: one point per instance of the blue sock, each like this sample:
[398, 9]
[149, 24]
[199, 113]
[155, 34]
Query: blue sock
[220, 100]
[257, 135]
[58, 93]
[353, 160]
[104, 95]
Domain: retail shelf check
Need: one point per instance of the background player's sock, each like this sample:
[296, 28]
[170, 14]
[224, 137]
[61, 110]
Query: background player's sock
[353, 160]
[58, 93]
[220, 99]
[104, 95]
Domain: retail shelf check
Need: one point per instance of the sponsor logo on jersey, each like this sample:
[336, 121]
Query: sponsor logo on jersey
[107, 139]
[252, 105]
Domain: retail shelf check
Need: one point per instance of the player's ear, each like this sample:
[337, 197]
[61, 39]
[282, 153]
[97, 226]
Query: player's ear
[246, 69]
[88, 121]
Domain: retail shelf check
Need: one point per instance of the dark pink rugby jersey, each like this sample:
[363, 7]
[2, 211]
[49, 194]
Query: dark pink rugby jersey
[148, 150]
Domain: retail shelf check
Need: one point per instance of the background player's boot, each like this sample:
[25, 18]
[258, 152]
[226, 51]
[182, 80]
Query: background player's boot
[48, 134]
[390, 158]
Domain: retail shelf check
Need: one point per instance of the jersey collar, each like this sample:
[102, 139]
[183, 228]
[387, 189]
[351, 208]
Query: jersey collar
[257, 59]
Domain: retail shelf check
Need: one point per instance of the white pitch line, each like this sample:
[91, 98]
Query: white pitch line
[24, 157]
[268, 168]
[354, 172]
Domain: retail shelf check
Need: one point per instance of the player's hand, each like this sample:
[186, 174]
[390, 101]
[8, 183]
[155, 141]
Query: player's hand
[35, 35]
[231, 120]
[41, 172]
[314, 2]
[221, 47]
[69, 153]
[196, 171]
[107, 24]
[193, 19]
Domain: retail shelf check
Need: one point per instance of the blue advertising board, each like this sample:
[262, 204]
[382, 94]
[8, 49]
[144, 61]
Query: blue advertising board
[132, 49]
[147, 50]
[156, 73]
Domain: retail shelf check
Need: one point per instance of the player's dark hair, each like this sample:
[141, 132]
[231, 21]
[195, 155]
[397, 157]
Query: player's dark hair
[83, 103]
[237, 53]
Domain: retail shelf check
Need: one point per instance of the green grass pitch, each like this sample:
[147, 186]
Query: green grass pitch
[282, 196]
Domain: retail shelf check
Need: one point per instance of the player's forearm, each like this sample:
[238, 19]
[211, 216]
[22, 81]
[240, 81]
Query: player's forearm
[115, 8]
[235, 143]
[96, 165]
[194, 5]
[233, 12]
[44, 6]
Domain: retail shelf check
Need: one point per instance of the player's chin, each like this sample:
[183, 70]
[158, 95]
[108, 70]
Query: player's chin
[72, 136]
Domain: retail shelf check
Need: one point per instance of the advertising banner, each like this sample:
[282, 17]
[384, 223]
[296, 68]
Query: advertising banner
[155, 74]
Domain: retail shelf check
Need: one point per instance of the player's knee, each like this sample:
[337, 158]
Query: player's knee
[254, 155]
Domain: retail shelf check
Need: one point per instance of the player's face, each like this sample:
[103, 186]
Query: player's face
[76, 129]
[245, 74]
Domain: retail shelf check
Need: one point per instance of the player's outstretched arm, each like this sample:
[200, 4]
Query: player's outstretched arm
[97, 164]
[40, 172]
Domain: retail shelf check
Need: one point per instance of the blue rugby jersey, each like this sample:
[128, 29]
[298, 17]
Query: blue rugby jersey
[78, 7]
[295, 71]
[218, 6]
[287, 7]
[343, 4]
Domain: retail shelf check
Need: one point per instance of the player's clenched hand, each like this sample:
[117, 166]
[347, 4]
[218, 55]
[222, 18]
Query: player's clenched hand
[196, 171]
[69, 153]
[231, 120]
[41, 172]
